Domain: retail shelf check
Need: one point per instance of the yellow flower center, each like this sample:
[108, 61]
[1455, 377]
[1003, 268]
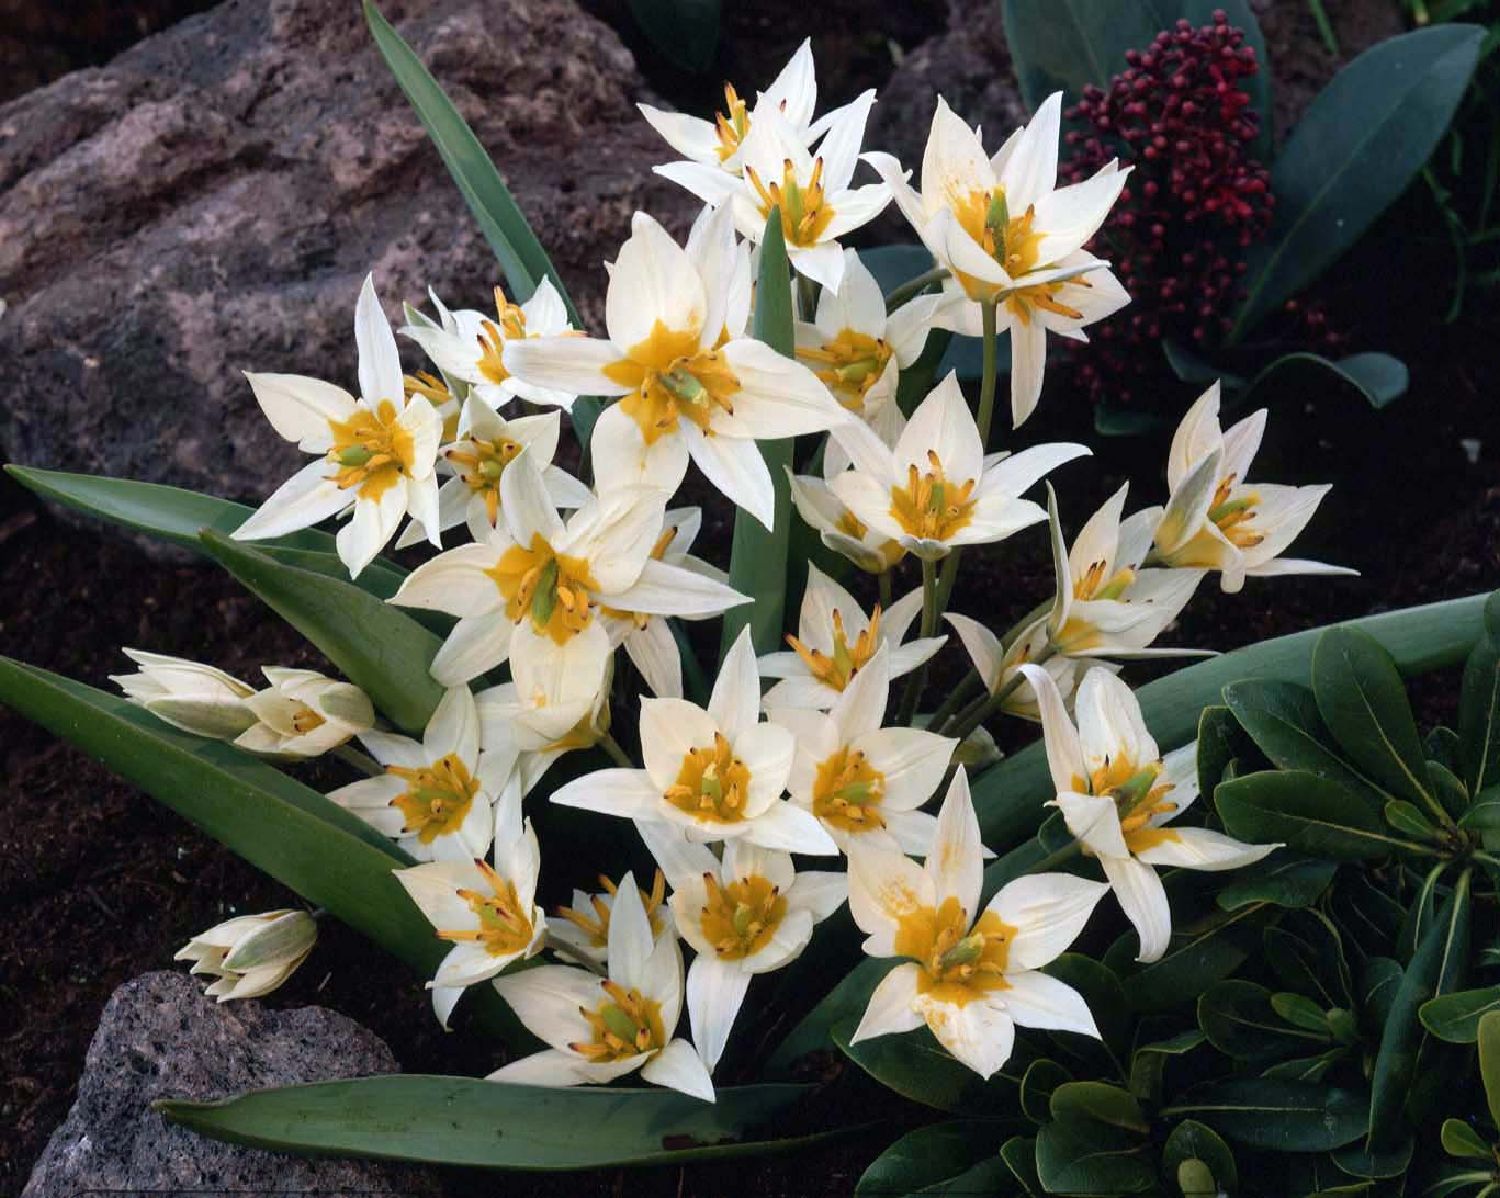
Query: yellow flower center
[1079, 635]
[505, 926]
[371, 450]
[625, 1024]
[804, 214]
[437, 797]
[480, 464]
[959, 964]
[930, 506]
[671, 378]
[305, 719]
[739, 919]
[713, 784]
[552, 589]
[847, 791]
[509, 325]
[596, 925]
[838, 669]
[732, 124]
[1234, 517]
[1139, 796]
[849, 365]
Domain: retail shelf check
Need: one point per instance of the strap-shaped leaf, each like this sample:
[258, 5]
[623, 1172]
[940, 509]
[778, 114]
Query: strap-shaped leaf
[500, 218]
[378, 647]
[1305, 812]
[469, 1121]
[179, 516]
[1479, 716]
[328, 856]
[1455, 1017]
[757, 561]
[1278, 1115]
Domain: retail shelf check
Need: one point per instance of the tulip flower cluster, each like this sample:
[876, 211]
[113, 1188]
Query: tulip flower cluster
[766, 809]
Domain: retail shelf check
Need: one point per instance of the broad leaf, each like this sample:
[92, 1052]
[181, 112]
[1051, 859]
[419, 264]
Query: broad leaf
[1238, 1019]
[845, 1002]
[1079, 1156]
[1303, 811]
[925, 1157]
[1355, 150]
[1099, 1102]
[1278, 1115]
[1282, 879]
[1479, 717]
[1037, 1083]
[1489, 1062]
[1191, 1140]
[1371, 378]
[1455, 1017]
[1201, 954]
[1283, 720]
[380, 648]
[469, 1121]
[916, 1066]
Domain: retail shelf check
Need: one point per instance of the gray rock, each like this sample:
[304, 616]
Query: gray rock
[209, 202]
[159, 1037]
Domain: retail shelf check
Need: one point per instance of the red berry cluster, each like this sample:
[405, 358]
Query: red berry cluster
[1197, 198]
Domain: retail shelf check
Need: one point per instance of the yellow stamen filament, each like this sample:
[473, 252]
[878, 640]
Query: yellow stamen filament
[804, 212]
[1139, 796]
[930, 506]
[437, 797]
[740, 918]
[847, 792]
[505, 926]
[732, 124]
[836, 670]
[371, 449]
[959, 963]
[849, 365]
[596, 925]
[713, 784]
[671, 378]
[480, 464]
[1233, 516]
[428, 386]
[509, 325]
[553, 589]
[625, 1024]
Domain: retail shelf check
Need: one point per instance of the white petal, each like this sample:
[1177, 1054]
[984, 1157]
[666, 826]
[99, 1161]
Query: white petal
[737, 469]
[372, 526]
[476, 645]
[1048, 912]
[956, 862]
[547, 998]
[300, 409]
[1144, 902]
[653, 281]
[669, 728]
[978, 1034]
[791, 829]
[678, 1067]
[778, 397]
[1110, 725]
[884, 888]
[1202, 848]
[379, 361]
[891, 1009]
[305, 499]
[1064, 750]
[630, 939]
[715, 991]
[1035, 1000]
[1095, 820]
[982, 645]
[611, 792]
[734, 704]
[454, 582]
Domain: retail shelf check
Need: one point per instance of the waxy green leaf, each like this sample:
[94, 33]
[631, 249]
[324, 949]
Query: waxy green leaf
[1077, 1155]
[1278, 1115]
[1455, 1017]
[1306, 813]
[925, 1158]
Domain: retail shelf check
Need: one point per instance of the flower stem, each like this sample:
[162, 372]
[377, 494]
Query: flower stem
[362, 762]
[899, 295]
[968, 722]
[917, 679]
[884, 581]
[616, 754]
[957, 697]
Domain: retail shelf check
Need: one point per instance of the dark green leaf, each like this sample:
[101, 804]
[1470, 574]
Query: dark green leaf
[925, 1157]
[1037, 1083]
[1354, 151]
[758, 558]
[1455, 1017]
[1308, 814]
[1240, 1022]
[1451, 793]
[380, 649]
[1307, 1070]
[1064, 45]
[1102, 992]
[1277, 1115]
[1019, 1155]
[1406, 820]
[1306, 952]
[1479, 717]
[846, 1001]
[1459, 1139]
[1283, 879]
[1358, 1161]
[1148, 1064]
[1201, 954]
[469, 1121]
[1489, 1061]
[1080, 1156]
[1284, 721]
[1378, 988]
[1442, 748]
[1220, 740]
[1191, 1140]
[1374, 379]
[916, 1066]
[1100, 1102]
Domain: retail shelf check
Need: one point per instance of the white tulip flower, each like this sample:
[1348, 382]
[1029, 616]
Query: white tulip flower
[686, 392]
[837, 527]
[971, 975]
[862, 781]
[718, 774]
[1009, 236]
[192, 697]
[835, 640]
[997, 662]
[937, 490]
[376, 454]
[1119, 796]
[598, 1028]
[437, 796]
[581, 929]
[487, 912]
[1215, 520]
[251, 955]
[748, 914]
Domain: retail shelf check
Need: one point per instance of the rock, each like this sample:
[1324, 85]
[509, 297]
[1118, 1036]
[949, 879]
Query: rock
[160, 1037]
[209, 202]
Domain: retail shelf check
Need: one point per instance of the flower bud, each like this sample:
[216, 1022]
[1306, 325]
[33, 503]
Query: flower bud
[193, 697]
[251, 955]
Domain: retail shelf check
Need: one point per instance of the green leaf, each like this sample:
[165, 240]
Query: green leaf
[1238, 1019]
[1306, 952]
[845, 1002]
[1201, 954]
[1379, 985]
[1435, 969]
[495, 210]
[1100, 1102]
[1363, 701]
[1405, 818]
[1019, 1155]
[1009, 797]
[757, 560]
[1283, 879]
[916, 1066]
[1479, 717]
[1303, 811]
[1283, 720]
[925, 1157]
[330, 857]
[1148, 1064]
[1356, 149]
[1064, 45]
[179, 516]
[686, 31]
[1277, 1115]
[1455, 1017]
[1451, 793]
[379, 648]
[1191, 1140]
[1459, 1139]
[1371, 378]
[1221, 739]
[470, 1121]
[1037, 1083]
[1079, 1156]
[1104, 995]
[1489, 1062]
[1358, 1161]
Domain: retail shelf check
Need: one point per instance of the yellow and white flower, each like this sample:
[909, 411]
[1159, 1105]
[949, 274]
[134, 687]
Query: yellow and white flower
[718, 774]
[835, 640]
[1119, 796]
[193, 697]
[469, 346]
[487, 912]
[581, 929]
[971, 975]
[1106, 605]
[997, 662]
[717, 144]
[686, 392]
[1009, 235]
[251, 955]
[376, 454]
[936, 490]
[437, 796]
[599, 1029]
[837, 527]
[536, 584]
[862, 781]
[748, 914]
[1214, 519]
[859, 351]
